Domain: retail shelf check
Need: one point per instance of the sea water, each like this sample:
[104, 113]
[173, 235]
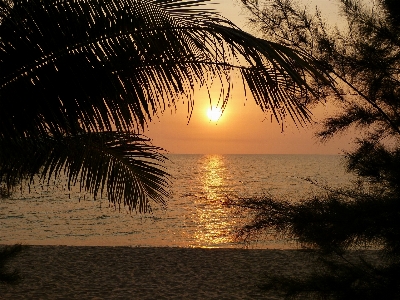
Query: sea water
[195, 215]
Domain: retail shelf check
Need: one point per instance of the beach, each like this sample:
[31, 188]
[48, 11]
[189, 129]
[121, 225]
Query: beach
[71, 272]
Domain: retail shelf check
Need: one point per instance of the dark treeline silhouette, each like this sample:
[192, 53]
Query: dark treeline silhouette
[364, 59]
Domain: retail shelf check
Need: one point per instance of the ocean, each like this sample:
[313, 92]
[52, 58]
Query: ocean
[195, 215]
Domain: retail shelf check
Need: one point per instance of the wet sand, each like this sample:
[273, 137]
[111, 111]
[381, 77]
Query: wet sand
[70, 272]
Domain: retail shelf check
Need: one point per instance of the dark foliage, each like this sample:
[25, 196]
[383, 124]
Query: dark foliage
[120, 165]
[342, 279]
[334, 226]
[364, 59]
[334, 223]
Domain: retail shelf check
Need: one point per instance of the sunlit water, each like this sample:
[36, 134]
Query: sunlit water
[195, 216]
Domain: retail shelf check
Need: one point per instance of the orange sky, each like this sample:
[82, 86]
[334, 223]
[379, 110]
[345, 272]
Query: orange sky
[243, 128]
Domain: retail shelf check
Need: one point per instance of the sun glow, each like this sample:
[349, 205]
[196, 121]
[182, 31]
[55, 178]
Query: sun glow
[214, 113]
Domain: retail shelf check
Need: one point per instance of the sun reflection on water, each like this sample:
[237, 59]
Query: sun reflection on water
[213, 170]
[214, 222]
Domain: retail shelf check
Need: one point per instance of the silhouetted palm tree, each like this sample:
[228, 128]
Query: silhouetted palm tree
[79, 81]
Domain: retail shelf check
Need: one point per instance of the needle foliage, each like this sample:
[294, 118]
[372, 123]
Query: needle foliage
[364, 59]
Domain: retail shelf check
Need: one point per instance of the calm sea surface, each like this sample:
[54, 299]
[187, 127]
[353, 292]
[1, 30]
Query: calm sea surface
[195, 216]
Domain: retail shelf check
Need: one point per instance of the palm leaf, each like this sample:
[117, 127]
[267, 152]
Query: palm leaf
[124, 166]
[98, 64]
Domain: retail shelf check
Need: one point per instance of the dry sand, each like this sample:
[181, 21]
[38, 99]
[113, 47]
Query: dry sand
[66, 272]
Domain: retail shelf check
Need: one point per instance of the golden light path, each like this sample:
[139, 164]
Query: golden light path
[214, 219]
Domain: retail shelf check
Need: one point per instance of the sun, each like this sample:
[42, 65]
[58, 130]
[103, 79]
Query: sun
[214, 113]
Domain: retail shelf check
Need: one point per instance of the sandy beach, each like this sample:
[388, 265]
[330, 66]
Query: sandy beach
[70, 272]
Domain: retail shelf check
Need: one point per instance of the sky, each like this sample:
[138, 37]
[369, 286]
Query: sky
[243, 128]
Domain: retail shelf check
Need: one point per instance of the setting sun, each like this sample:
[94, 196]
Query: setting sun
[214, 113]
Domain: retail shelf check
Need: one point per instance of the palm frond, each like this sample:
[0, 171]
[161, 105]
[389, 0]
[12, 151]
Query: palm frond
[67, 65]
[124, 166]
